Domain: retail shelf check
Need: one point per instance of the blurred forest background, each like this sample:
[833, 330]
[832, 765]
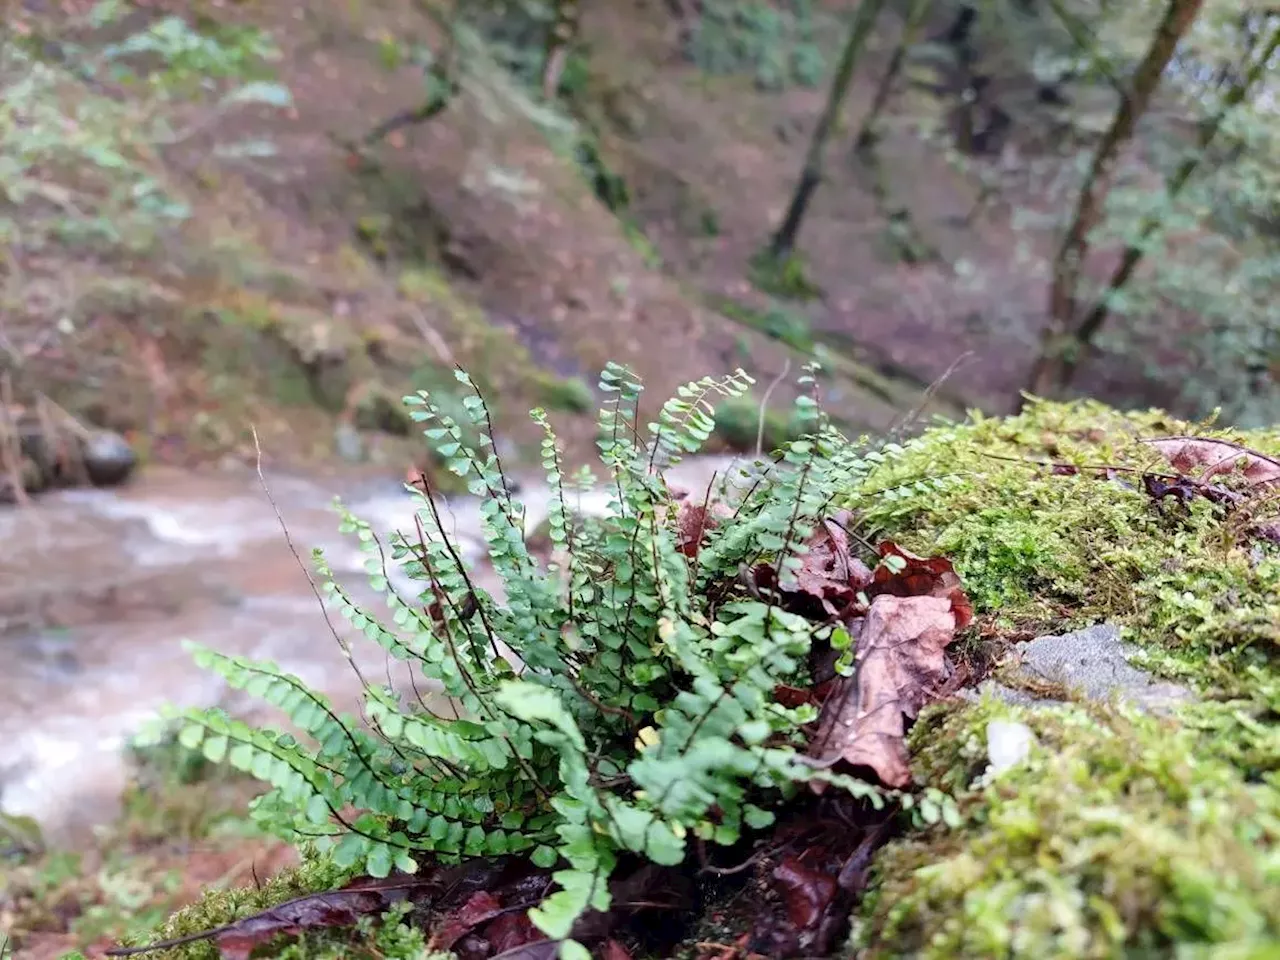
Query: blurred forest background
[217, 211]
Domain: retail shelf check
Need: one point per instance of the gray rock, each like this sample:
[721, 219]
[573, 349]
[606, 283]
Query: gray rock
[108, 458]
[1094, 664]
[348, 443]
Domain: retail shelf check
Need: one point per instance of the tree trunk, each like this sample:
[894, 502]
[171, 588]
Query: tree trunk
[1133, 254]
[911, 26]
[564, 31]
[784, 240]
[1068, 265]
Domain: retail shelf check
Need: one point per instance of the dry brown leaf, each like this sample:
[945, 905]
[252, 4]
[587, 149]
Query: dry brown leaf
[807, 893]
[902, 663]
[693, 520]
[922, 577]
[829, 572]
[1217, 457]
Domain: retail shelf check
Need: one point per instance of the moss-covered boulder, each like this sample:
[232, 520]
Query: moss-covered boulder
[1119, 834]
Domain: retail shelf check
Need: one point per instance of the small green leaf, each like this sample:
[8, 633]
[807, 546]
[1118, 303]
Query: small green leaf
[544, 857]
[378, 863]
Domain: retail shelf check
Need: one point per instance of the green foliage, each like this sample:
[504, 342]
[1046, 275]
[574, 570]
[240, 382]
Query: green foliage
[571, 394]
[738, 426]
[775, 44]
[618, 701]
[1120, 835]
[79, 159]
[786, 278]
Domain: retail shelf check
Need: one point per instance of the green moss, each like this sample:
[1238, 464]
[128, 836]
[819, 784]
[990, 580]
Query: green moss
[1041, 550]
[738, 426]
[787, 278]
[1119, 835]
[219, 907]
[571, 394]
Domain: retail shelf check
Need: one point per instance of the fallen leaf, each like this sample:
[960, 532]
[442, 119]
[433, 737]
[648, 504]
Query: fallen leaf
[344, 907]
[613, 950]
[1217, 457]
[806, 893]
[693, 520]
[480, 908]
[510, 931]
[829, 573]
[902, 664]
[1266, 531]
[792, 697]
[1184, 489]
[921, 577]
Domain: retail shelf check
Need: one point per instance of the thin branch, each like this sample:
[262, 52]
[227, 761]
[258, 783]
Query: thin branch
[764, 406]
[324, 608]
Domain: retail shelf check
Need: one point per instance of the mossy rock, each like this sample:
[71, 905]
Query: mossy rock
[1121, 834]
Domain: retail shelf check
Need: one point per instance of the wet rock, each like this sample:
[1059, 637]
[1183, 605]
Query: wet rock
[348, 444]
[1008, 744]
[108, 458]
[1092, 664]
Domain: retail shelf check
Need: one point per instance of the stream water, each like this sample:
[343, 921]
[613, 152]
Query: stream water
[98, 589]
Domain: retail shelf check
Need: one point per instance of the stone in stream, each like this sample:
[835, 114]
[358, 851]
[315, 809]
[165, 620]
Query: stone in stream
[1093, 664]
[108, 458]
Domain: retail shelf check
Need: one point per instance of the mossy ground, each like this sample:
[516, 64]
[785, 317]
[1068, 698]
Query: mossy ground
[1121, 835]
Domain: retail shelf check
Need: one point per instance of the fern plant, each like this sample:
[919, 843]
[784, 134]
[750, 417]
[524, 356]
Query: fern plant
[620, 701]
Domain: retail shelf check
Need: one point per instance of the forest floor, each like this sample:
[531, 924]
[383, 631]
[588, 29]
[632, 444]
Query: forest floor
[477, 239]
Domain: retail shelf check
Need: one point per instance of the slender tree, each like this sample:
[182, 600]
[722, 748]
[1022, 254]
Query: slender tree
[1059, 340]
[560, 41]
[784, 240]
[1088, 327]
[868, 135]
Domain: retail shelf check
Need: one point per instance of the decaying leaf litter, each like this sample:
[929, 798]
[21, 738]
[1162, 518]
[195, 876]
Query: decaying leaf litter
[884, 656]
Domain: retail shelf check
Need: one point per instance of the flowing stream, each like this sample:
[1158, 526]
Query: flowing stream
[98, 589]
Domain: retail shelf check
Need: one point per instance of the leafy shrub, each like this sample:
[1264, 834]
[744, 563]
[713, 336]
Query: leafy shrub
[775, 46]
[620, 702]
[738, 426]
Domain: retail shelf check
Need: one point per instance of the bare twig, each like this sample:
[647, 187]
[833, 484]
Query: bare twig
[764, 406]
[324, 609]
[914, 414]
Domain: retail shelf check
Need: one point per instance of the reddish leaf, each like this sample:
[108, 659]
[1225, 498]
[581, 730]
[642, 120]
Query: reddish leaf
[512, 930]
[806, 893]
[613, 950]
[922, 577]
[902, 664]
[693, 520]
[829, 572]
[792, 697]
[1217, 457]
[480, 908]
